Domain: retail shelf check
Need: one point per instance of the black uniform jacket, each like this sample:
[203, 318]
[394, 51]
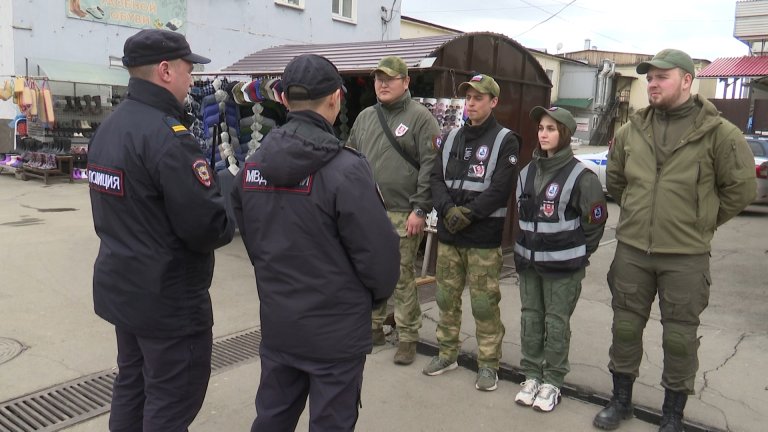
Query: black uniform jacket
[484, 232]
[159, 214]
[319, 238]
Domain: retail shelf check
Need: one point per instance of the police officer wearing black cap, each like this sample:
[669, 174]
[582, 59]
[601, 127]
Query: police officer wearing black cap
[159, 213]
[323, 251]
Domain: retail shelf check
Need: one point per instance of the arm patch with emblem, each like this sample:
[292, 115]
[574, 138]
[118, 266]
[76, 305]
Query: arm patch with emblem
[203, 172]
[597, 214]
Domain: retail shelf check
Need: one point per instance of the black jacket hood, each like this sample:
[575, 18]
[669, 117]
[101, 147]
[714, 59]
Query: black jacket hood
[297, 149]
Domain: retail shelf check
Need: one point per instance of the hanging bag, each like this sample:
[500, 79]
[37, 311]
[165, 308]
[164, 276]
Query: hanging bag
[33, 98]
[6, 93]
[18, 86]
[47, 98]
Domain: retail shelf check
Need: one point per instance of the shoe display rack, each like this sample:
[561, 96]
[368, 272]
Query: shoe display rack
[12, 161]
[45, 165]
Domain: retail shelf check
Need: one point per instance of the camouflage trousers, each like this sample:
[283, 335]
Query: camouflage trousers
[480, 269]
[407, 308]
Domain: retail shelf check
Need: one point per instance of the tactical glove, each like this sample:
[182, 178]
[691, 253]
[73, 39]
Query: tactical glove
[456, 219]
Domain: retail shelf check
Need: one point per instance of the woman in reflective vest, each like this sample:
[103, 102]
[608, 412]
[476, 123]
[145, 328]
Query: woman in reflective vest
[562, 213]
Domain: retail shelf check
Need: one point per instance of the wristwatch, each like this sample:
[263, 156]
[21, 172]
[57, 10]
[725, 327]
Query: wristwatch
[419, 212]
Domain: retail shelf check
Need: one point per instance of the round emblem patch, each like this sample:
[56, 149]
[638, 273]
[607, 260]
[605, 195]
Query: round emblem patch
[482, 153]
[552, 190]
[512, 160]
[202, 172]
[598, 213]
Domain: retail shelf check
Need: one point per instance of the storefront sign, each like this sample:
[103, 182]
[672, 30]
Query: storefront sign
[143, 14]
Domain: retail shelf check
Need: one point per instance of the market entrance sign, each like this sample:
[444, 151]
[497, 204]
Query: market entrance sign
[143, 14]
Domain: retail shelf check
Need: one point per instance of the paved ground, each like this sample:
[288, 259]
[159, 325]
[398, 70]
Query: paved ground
[48, 249]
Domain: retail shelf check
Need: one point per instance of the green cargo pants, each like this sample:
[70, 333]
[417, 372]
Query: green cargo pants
[407, 307]
[480, 269]
[545, 324]
[682, 283]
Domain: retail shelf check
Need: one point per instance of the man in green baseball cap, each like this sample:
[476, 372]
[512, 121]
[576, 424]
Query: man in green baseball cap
[396, 136]
[672, 199]
[471, 184]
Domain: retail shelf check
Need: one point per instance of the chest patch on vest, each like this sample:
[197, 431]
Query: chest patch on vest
[106, 180]
[512, 160]
[548, 208]
[552, 190]
[476, 171]
[468, 153]
[401, 130]
[254, 181]
[203, 172]
[482, 153]
[598, 213]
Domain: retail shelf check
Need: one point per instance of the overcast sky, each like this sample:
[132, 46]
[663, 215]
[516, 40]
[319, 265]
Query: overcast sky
[703, 28]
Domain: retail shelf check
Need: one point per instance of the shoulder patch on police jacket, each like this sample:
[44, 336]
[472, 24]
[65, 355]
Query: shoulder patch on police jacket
[176, 127]
[254, 181]
[203, 172]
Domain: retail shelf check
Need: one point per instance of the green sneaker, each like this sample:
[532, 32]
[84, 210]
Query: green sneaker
[439, 365]
[487, 379]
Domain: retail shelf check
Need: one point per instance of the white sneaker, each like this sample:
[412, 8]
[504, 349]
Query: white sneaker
[527, 395]
[547, 398]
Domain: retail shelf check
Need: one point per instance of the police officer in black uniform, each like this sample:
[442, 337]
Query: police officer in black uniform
[159, 214]
[324, 252]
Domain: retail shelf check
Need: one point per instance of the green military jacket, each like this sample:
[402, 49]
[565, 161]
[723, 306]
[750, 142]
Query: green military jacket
[415, 129]
[708, 178]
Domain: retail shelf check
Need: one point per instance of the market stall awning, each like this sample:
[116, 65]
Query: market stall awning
[66, 71]
[348, 57]
[582, 103]
[732, 67]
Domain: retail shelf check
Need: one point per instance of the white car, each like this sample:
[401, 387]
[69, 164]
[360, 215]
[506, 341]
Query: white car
[597, 162]
[759, 148]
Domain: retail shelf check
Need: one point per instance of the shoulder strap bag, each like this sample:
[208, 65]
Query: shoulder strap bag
[392, 139]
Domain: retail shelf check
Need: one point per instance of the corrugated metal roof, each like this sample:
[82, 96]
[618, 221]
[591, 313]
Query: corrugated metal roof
[583, 103]
[348, 57]
[747, 66]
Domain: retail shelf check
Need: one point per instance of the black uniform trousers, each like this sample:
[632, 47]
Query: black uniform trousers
[333, 388]
[161, 382]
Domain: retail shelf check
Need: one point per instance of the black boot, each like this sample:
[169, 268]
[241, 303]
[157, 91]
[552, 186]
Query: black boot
[69, 106]
[97, 104]
[87, 103]
[620, 407]
[672, 411]
[78, 107]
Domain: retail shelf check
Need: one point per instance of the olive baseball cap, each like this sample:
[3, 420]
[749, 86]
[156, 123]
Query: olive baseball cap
[152, 46]
[669, 59]
[482, 83]
[393, 66]
[561, 115]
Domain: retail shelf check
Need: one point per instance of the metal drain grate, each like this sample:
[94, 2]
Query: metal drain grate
[78, 400]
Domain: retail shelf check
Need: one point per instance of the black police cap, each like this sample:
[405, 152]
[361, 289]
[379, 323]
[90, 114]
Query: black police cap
[310, 77]
[152, 46]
